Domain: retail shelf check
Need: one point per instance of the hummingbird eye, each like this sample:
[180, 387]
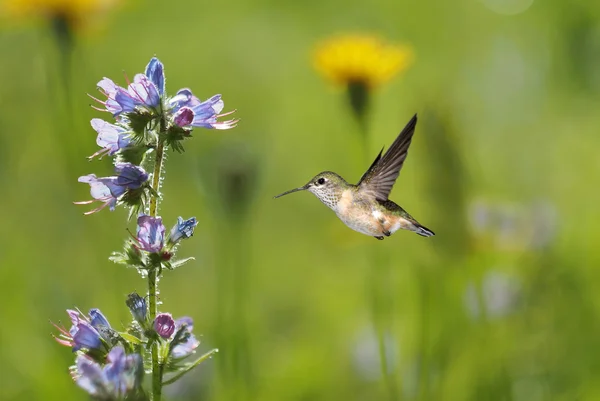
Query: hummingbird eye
[321, 181]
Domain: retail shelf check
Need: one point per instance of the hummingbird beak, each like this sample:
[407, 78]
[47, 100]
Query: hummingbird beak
[292, 190]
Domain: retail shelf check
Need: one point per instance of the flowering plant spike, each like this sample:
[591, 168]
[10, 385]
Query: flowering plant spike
[110, 360]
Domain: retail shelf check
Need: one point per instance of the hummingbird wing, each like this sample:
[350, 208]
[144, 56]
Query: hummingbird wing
[381, 176]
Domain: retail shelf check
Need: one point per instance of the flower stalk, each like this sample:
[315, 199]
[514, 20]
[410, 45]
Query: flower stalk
[110, 364]
[156, 369]
[154, 272]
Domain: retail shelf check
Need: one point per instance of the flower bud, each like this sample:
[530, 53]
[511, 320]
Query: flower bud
[164, 325]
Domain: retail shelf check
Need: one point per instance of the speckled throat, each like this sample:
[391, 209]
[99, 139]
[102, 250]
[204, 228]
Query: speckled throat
[330, 196]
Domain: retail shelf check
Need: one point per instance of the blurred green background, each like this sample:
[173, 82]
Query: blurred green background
[502, 304]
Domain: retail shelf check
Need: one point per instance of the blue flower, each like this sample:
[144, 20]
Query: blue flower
[142, 92]
[97, 319]
[108, 190]
[150, 233]
[183, 98]
[85, 336]
[130, 176]
[182, 230]
[90, 333]
[155, 72]
[138, 307]
[118, 100]
[164, 325]
[205, 113]
[104, 190]
[184, 343]
[120, 375]
[111, 138]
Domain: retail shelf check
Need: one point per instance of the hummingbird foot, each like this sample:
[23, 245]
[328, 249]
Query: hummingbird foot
[387, 233]
[379, 238]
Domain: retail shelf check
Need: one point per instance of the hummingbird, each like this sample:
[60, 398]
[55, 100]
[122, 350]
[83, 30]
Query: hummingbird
[365, 207]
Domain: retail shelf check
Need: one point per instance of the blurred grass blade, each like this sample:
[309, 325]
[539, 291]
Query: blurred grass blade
[191, 366]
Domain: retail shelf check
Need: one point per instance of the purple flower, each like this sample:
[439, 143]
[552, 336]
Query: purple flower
[150, 233]
[183, 98]
[85, 336]
[183, 117]
[111, 138]
[155, 72]
[164, 325]
[143, 92]
[184, 344]
[118, 99]
[91, 333]
[97, 319]
[138, 307]
[130, 176]
[205, 113]
[120, 375]
[104, 190]
[108, 190]
[182, 230]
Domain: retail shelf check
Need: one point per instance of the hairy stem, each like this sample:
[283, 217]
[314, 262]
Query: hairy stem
[156, 368]
[158, 162]
[153, 274]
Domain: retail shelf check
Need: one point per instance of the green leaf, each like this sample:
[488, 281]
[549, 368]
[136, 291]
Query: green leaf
[181, 262]
[130, 338]
[186, 368]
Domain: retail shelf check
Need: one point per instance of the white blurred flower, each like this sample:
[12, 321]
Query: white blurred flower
[366, 354]
[500, 294]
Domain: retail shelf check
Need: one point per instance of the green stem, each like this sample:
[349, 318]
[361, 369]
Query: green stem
[158, 161]
[380, 302]
[156, 374]
[378, 292]
[423, 345]
[154, 272]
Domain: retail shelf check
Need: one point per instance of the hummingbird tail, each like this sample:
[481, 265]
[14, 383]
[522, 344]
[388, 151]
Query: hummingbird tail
[423, 231]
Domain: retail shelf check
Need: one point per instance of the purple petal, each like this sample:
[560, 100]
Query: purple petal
[114, 369]
[97, 319]
[183, 117]
[155, 72]
[98, 189]
[87, 179]
[164, 325]
[183, 98]
[187, 321]
[209, 107]
[186, 348]
[150, 233]
[138, 307]
[183, 229]
[125, 102]
[109, 135]
[144, 91]
[86, 337]
[108, 86]
[90, 377]
[74, 315]
[113, 185]
[130, 175]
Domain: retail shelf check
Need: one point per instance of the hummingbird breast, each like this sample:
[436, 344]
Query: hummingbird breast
[367, 216]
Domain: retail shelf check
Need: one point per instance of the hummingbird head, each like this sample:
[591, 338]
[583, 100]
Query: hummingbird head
[327, 186]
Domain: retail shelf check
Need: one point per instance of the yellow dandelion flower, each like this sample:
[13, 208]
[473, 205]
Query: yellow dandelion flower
[361, 59]
[76, 13]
